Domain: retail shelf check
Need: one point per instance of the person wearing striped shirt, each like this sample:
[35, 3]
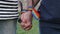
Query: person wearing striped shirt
[8, 16]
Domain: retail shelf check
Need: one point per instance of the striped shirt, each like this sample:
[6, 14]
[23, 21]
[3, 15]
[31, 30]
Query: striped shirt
[8, 9]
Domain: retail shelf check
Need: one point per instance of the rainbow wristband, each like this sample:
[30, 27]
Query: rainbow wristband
[24, 10]
[30, 7]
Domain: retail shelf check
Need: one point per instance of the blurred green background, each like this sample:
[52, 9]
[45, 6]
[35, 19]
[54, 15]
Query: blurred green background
[34, 30]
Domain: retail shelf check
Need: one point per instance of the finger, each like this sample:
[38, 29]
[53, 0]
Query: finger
[23, 19]
[22, 25]
[28, 28]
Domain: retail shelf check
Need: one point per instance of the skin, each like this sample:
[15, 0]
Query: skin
[26, 17]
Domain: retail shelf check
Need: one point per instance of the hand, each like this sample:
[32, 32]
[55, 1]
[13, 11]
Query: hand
[26, 18]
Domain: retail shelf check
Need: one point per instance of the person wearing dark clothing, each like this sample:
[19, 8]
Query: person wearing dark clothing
[50, 17]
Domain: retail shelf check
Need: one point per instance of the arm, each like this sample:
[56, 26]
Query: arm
[35, 2]
[29, 3]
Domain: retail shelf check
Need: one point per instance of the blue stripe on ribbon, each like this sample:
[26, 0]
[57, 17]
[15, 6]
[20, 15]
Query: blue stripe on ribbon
[34, 15]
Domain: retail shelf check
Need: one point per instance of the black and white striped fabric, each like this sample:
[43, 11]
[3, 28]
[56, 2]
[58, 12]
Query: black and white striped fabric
[8, 9]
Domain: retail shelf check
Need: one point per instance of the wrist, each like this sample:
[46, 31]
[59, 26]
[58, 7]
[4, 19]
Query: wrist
[24, 11]
[30, 7]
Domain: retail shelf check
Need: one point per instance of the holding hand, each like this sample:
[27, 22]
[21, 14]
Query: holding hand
[26, 18]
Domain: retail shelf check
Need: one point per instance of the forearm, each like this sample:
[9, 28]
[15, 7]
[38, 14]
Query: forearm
[26, 4]
[29, 4]
[35, 2]
[32, 2]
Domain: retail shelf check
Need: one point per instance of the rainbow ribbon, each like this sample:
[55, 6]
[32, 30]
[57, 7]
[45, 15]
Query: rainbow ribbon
[35, 14]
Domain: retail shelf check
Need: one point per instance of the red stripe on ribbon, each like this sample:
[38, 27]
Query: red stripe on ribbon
[36, 12]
